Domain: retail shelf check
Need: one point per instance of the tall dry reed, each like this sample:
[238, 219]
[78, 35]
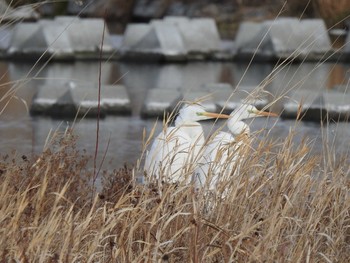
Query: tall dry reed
[285, 204]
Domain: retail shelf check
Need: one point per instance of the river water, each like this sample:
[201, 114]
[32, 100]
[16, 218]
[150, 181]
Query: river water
[25, 134]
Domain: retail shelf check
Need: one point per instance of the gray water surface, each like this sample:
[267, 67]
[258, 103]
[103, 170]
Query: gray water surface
[25, 134]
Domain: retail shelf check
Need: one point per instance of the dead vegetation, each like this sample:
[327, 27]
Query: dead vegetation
[285, 205]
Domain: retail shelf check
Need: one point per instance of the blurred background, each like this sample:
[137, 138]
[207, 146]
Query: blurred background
[227, 13]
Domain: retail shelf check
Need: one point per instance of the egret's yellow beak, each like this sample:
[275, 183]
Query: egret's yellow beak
[265, 113]
[214, 115]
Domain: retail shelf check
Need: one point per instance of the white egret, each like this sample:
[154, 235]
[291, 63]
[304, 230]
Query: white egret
[175, 149]
[220, 156]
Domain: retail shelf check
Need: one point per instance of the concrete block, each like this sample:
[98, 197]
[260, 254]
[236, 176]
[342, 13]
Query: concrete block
[301, 98]
[133, 34]
[73, 99]
[228, 98]
[200, 96]
[173, 39]
[85, 99]
[154, 41]
[284, 38]
[86, 36]
[57, 43]
[337, 105]
[27, 38]
[5, 37]
[63, 37]
[206, 34]
[247, 31]
[166, 38]
[200, 35]
[115, 99]
[316, 106]
[56, 101]
[221, 94]
[45, 98]
[318, 41]
[159, 101]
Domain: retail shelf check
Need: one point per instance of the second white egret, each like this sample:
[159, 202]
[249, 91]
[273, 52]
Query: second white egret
[220, 156]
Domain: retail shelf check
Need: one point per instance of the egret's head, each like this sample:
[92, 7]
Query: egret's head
[195, 112]
[246, 111]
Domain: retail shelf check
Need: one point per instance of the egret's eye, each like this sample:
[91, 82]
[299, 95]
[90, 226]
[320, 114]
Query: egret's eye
[199, 113]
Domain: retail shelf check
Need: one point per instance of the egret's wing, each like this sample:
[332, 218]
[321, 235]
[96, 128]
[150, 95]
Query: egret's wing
[168, 154]
[213, 159]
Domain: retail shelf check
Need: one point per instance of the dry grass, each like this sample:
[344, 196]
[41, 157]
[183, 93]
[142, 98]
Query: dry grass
[285, 205]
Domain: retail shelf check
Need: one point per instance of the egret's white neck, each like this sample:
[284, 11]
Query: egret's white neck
[179, 121]
[237, 127]
[192, 128]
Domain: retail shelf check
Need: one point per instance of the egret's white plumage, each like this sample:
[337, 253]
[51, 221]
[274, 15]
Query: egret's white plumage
[221, 155]
[175, 150]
